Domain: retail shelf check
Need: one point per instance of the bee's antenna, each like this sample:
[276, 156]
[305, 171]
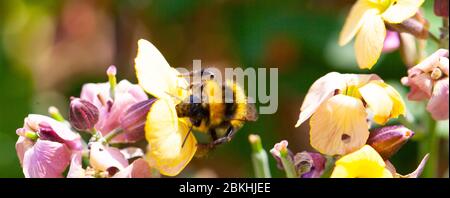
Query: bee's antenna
[185, 138]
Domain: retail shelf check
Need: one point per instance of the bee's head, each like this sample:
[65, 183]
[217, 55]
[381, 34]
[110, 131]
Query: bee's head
[195, 105]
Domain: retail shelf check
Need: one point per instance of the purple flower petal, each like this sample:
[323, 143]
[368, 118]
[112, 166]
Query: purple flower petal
[438, 104]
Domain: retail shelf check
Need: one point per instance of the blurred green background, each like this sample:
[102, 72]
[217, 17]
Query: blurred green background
[49, 48]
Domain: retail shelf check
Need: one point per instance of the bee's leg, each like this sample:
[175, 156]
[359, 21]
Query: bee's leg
[204, 147]
[187, 135]
[211, 144]
[229, 135]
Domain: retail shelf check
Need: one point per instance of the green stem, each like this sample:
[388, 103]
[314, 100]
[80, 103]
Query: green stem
[108, 137]
[431, 146]
[329, 167]
[259, 158]
[96, 136]
[288, 164]
[434, 38]
[444, 33]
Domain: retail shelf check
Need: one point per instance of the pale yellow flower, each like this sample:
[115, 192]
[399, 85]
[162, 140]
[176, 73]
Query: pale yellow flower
[363, 163]
[164, 131]
[366, 21]
[338, 105]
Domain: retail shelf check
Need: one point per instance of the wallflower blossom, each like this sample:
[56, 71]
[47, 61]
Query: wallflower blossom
[363, 163]
[45, 146]
[338, 105]
[164, 131]
[429, 80]
[367, 20]
[112, 107]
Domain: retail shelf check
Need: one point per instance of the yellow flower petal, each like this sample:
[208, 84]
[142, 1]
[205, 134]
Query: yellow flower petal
[320, 91]
[378, 100]
[165, 134]
[155, 75]
[339, 126]
[400, 10]
[369, 41]
[354, 20]
[340, 172]
[399, 107]
[363, 163]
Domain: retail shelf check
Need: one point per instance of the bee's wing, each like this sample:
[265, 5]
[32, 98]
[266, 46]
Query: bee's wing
[155, 75]
[252, 113]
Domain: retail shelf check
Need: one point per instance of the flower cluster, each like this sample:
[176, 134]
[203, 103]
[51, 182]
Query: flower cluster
[348, 113]
[110, 114]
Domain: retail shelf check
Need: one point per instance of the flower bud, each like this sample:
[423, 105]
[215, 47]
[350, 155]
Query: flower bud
[388, 140]
[441, 8]
[309, 165]
[259, 157]
[111, 72]
[276, 153]
[133, 121]
[55, 114]
[83, 115]
[413, 26]
[282, 154]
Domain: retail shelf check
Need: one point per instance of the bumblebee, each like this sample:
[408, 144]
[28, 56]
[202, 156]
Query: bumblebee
[182, 107]
[219, 110]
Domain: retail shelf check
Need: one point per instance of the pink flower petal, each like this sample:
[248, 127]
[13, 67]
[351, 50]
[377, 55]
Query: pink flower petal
[421, 87]
[126, 94]
[90, 91]
[438, 104]
[444, 65]
[102, 157]
[76, 169]
[46, 159]
[23, 144]
[132, 152]
[432, 61]
[71, 139]
[138, 169]
[391, 42]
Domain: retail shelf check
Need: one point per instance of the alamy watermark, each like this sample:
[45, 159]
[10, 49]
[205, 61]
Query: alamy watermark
[260, 86]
